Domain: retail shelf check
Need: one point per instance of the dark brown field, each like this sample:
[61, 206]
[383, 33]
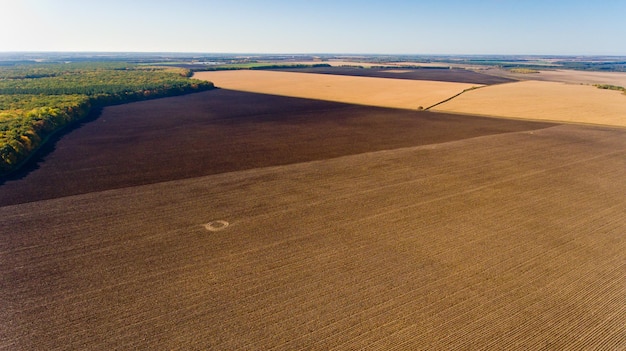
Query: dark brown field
[223, 131]
[434, 74]
[349, 227]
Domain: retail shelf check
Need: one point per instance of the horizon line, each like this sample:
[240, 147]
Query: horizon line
[296, 53]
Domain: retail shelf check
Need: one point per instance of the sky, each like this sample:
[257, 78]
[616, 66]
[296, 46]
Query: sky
[446, 27]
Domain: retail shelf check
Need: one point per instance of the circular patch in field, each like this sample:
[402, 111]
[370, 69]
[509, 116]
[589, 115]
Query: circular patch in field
[216, 226]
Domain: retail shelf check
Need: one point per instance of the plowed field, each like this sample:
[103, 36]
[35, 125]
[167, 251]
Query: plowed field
[449, 232]
[432, 74]
[225, 131]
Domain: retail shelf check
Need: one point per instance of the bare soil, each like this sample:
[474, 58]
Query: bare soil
[224, 131]
[500, 241]
[427, 73]
[357, 64]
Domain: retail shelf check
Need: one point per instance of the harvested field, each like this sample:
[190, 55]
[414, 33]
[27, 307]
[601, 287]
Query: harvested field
[224, 131]
[432, 74]
[335, 63]
[568, 76]
[538, 100]
[577, 77]
[503, 241]
[396, 93]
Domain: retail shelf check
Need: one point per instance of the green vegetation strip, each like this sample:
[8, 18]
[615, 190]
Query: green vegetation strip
[523, 70]
[38, 100]
[610, 87]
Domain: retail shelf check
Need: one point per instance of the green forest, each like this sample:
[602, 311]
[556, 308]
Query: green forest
[37, 100]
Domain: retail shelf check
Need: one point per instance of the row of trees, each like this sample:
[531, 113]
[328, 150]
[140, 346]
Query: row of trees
[610, 87]
[38, 100]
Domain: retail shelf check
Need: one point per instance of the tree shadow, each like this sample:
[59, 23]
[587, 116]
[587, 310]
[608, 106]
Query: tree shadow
[33, 162]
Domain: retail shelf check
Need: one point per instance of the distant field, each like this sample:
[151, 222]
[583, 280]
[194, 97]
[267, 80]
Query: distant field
[433, 74]
[339, 63]
[567, 76]
[538, 100]
[543, 101]
[400, 71]
[398, 93]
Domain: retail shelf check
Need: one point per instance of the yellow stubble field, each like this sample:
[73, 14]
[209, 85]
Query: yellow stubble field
[539, 100]
[565, 76]
[584, 77]
[383, 92]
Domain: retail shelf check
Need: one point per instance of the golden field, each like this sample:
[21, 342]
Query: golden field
[383, 92]
[566, 76]
[539, 100]
[584, 77]
[528, 99]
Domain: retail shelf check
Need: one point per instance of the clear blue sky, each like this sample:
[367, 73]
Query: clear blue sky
[562, 27]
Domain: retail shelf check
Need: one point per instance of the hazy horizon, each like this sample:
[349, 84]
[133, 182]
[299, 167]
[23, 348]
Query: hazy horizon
[395, 27]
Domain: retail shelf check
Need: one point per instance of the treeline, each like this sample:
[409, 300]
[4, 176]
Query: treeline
[38, 100]
[610, 87]
[602, 66]
[523, 70]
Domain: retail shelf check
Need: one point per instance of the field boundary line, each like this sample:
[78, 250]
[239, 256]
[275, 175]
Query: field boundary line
[454, 96]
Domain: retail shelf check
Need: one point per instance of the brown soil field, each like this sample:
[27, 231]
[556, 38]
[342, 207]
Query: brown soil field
[432, 74]
[398, 71]
[382, 92]
[423, 64]
[224, 131]
[539, 100]
[334, 63]
[342, 63]
[501, 241]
